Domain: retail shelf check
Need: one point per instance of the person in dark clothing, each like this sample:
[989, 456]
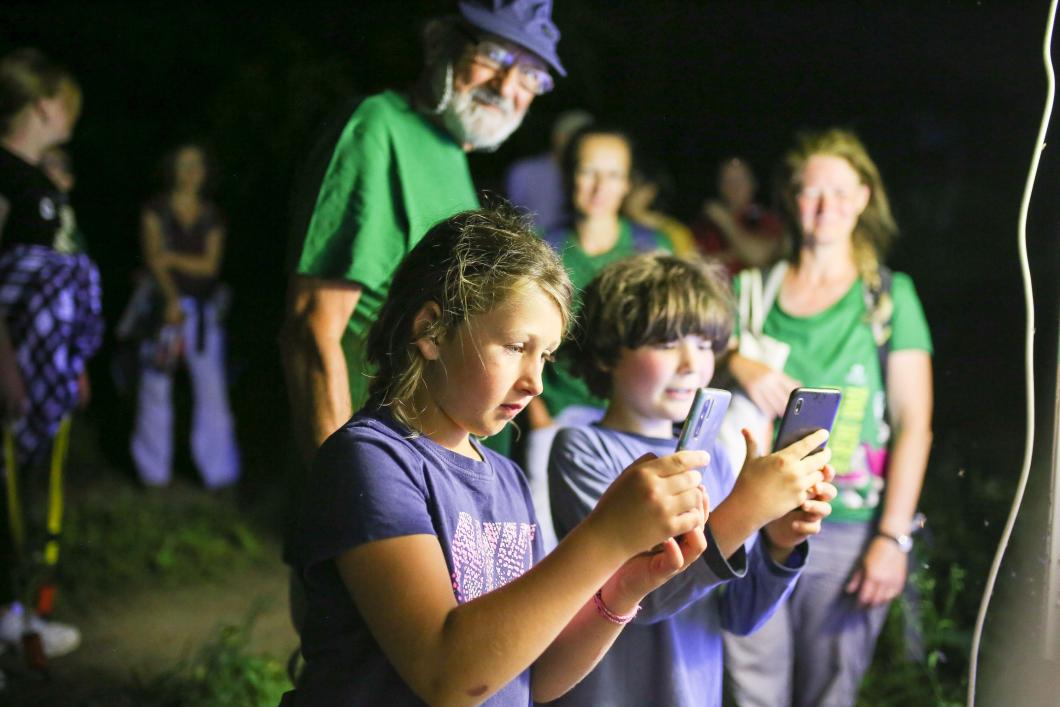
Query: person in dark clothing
[50, 321]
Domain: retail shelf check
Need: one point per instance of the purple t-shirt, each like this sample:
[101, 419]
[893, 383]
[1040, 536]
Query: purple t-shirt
[369, 482]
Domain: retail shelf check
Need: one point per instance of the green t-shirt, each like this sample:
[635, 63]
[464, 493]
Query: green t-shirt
[561, 387]
[836, 348]
[392, 175]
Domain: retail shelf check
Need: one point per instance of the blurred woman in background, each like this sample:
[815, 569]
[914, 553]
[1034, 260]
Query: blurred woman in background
[182, 235]
[597, 168]
[734, 228]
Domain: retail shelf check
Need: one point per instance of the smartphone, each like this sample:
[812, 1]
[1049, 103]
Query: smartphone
[809, 410]
[704, 419]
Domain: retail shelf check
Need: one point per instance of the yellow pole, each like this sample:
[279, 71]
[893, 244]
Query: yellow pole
[55, 491]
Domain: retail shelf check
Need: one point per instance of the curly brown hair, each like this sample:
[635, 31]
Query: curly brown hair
[645, 299]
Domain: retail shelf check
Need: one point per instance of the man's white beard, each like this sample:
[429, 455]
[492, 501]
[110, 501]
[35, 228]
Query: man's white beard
[473, 122]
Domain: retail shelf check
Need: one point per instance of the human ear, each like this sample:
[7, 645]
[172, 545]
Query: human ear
[424, 328]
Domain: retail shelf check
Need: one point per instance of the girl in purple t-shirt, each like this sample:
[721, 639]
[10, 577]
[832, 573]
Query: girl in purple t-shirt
[419, 547]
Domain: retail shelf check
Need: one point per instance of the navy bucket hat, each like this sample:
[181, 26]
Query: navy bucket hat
[528, 23]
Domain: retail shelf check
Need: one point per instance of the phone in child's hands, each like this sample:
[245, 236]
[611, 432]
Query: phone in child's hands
[704, 419]
[809, 410]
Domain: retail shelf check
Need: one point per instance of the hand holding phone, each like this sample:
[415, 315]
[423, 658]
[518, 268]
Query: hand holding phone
[808, 410]
[704, 419]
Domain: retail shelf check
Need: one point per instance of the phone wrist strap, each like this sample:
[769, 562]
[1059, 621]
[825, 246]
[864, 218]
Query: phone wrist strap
[617, 619]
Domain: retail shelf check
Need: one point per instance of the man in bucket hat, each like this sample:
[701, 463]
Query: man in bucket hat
[398, 167]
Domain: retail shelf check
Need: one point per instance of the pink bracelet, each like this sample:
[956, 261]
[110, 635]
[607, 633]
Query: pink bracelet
[618, 619]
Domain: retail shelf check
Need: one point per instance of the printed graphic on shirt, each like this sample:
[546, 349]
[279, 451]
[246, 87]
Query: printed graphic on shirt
[488, 555]
[861, 484]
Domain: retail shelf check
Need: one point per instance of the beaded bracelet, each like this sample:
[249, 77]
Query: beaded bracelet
[618, 619]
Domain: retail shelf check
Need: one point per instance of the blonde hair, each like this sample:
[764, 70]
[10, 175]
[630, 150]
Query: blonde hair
[468, 264]
[875, 230]
[26, 76]
[649, 298]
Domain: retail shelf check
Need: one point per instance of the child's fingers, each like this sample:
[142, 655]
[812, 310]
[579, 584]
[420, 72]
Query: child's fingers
[805, 446]
[823, 491]
[688, 501]
[680, 483]
[752, 445]
[684, 460]
[687, 513]
[806, 526]
[816, 509]
[687, 508]
[813, 467]
[819, 460]
[693, 543]
[669, 559]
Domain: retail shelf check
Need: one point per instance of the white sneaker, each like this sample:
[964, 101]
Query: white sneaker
[57, 639]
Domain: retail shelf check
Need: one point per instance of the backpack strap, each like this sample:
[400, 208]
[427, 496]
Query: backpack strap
[879, 315]
[750, 291]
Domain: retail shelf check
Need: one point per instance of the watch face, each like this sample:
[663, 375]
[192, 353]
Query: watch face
[903, 541]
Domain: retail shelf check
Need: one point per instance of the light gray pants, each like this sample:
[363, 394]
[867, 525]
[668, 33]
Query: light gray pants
[816, 648]
[213, 444]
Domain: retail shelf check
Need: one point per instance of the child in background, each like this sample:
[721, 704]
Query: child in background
[419, 547]
[650, 328]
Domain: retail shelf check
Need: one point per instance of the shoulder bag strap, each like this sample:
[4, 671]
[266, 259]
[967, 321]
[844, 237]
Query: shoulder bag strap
[750, 300]
[879, 311]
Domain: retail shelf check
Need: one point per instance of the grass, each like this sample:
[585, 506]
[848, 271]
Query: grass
[222, 672]
[926, 617]
[120, 538]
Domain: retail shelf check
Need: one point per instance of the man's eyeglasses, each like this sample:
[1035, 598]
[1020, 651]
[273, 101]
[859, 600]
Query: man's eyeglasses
[499, 58]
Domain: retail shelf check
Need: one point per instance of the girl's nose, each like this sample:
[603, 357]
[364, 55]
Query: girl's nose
[532, 383]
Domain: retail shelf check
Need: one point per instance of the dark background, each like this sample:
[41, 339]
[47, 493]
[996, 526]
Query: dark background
[947, 96]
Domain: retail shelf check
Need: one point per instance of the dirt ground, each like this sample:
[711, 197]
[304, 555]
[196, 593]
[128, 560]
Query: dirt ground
[136, 637]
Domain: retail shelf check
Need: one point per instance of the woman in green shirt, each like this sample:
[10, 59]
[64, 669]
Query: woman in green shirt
[817, 648]
[597, 164]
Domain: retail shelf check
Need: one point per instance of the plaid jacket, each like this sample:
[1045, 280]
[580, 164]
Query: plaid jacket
[51, 304]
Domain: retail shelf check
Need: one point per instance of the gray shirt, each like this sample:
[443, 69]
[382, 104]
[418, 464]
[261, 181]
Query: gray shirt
[671, 654]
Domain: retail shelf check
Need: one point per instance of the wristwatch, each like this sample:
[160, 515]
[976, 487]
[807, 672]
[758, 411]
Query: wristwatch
[903, 541]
